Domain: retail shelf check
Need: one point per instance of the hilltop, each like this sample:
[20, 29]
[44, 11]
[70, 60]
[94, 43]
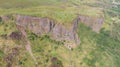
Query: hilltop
[59, 33]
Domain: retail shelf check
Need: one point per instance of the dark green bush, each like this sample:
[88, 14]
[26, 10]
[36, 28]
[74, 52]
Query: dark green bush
[1, 54]
[55, 62]
[32, 36]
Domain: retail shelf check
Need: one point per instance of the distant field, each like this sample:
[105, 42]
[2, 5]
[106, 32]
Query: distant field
[27, 3]
[33, 3]
[62, 11]
[59, 14]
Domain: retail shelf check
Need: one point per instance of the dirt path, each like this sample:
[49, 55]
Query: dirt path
[28, 46]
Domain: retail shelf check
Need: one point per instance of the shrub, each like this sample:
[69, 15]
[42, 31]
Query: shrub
[56, 62]
[15, 36]
[32, 36]
[1, 54]
[0, 19]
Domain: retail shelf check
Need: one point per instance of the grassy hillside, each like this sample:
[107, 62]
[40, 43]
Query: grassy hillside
[95, 50]
[59, 14]
[27, 3]
[33, 3]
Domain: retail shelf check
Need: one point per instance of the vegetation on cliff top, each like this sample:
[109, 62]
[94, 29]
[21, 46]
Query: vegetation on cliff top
[95, 50]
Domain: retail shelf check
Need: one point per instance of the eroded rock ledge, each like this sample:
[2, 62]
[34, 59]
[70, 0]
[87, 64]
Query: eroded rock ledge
[58, 32]
[41, 26]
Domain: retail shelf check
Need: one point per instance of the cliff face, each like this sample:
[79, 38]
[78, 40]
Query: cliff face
[93, 22]
[67, 34]
[57, 31]
[35, 24]
[43, 26]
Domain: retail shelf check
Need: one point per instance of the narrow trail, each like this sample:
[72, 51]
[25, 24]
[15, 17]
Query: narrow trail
[28, 46]
[71, 59]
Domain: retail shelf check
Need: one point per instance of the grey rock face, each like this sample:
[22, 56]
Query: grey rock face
[6, 18]
[93, 22]
[61, 33]
[75, 23]
[56, 31]
[42, 26]
[35, 24]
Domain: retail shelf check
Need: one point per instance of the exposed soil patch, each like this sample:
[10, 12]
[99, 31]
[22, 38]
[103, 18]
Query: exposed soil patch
[16, 36]
[55, 62]
[12, 57]
[4, 36]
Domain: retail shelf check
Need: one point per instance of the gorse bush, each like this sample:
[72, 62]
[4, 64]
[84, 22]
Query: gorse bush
[32, 36]
[55, 62]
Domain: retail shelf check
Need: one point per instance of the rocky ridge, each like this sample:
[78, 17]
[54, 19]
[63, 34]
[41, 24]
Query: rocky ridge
[56, 31]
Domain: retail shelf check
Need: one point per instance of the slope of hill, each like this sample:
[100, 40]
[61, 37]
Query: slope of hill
[59, 33]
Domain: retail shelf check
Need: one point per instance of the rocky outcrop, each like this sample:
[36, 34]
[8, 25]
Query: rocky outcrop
[35, 24]
[41, 26]
[59, 32]
[93, 22]
[6, 18]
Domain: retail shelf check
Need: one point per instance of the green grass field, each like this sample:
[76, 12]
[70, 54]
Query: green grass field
[34, 3]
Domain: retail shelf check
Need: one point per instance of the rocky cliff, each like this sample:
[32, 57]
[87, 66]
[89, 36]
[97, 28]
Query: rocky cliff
[41, 26]
[93, 22]
[56, 31]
